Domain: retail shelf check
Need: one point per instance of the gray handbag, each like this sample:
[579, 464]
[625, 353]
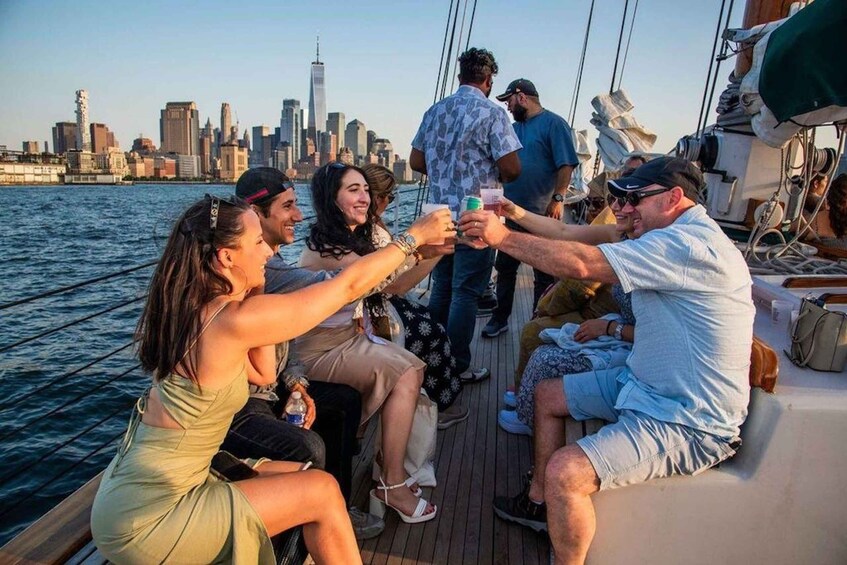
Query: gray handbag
[819, 336]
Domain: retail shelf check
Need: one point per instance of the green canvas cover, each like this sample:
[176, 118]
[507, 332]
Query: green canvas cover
[805, 67]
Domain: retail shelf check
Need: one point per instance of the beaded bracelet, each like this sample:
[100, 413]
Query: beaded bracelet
[402, 241]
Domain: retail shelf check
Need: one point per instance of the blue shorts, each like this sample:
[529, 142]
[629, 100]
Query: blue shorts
[635, 447]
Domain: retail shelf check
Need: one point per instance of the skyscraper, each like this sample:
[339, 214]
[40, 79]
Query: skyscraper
[101, 138]
[226, 124]
[317, 97]
[179, 128]
[290, 126]
[83, 136]
[356, 138]
[259, 134]
[64, 137]
[335, 125]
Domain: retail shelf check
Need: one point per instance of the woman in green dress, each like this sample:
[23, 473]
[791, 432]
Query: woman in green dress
[206, 330]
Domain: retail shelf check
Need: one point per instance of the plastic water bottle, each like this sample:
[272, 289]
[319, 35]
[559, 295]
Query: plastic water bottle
[295, 410]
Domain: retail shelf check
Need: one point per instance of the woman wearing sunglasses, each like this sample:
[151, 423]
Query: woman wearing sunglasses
[205, 332]
[421, 335]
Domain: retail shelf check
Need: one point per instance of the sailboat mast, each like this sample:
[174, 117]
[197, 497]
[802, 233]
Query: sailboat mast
[758, 12]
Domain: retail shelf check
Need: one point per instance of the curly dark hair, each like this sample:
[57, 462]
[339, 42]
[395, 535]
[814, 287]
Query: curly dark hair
[329, 235]
[476, 65]
[837, 200]
[185, 280]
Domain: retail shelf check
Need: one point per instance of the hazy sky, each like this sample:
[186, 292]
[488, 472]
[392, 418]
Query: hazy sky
[381, 59]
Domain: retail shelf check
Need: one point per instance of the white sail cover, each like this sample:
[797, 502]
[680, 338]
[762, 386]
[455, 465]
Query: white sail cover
[619, 132]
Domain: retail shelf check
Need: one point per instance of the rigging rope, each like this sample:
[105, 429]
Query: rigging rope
[470, 26]
[620, 41]
[459, 43]
[709, 72]
[443, 47]
[449, 58]
[578, 82]
[720, 59]
[69, 324]
[38, 490]
[61, 378]
[75, 286]
[628, 39]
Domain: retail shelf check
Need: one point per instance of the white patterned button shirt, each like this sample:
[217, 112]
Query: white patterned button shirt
[462, 137]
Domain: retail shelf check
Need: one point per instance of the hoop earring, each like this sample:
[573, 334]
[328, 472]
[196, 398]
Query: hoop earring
[233, 268]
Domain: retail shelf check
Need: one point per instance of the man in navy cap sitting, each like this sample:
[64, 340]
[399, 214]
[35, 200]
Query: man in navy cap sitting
[677, 405]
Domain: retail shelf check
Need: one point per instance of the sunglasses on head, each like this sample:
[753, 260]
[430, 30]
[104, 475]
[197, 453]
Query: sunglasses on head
[337, 165]
[215, 208]
[634, 198]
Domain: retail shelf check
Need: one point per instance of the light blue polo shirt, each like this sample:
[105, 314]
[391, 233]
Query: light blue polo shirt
[691, 295]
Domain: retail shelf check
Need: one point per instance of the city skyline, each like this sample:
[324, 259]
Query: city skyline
[255, 56]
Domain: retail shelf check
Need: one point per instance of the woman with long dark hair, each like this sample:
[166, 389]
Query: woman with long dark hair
[206, 331]
[342, 350]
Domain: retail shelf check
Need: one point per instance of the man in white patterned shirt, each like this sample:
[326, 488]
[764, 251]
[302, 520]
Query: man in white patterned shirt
[465, 143]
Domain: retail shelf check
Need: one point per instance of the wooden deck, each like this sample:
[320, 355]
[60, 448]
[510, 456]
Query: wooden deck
[475, 461]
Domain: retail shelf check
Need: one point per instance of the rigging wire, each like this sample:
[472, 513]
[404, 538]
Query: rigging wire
[32, 464]
[628, 39]
[75, 286]
[443, 47]
[449, 58]
[709, 72]
[61, 378]
[578, 81]
[41, 417]
[720, 59]
[620, 41]
[459, 43]
[69, 324]
[470, 26]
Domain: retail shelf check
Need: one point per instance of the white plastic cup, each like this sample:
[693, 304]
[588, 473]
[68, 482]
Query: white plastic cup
[429, 209]
[781, 312]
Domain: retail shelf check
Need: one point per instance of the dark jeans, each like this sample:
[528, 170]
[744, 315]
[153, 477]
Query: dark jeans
[257, 431]
[458, 282]
[507, 276]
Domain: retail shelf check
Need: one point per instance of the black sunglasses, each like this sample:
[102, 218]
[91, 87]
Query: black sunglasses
[215, 207]
[634, 198]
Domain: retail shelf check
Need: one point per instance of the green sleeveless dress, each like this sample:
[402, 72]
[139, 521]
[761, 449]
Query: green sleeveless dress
[157, 502]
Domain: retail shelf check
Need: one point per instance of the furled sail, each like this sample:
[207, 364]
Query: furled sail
[619, 132]
[799, 76]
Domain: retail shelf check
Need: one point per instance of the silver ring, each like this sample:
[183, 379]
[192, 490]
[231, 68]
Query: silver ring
[476, 225]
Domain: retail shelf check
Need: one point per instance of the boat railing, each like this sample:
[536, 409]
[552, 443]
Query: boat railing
[46, 425]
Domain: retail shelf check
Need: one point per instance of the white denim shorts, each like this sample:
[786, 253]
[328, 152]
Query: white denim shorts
[635, 447]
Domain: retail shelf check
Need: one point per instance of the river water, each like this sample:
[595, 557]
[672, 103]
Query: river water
[60, 420]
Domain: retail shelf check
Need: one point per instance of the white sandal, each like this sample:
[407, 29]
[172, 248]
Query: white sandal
[377, 505]
[376, 474]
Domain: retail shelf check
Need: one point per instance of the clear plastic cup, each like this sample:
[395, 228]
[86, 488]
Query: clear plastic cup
[492, 199]
[429, 209]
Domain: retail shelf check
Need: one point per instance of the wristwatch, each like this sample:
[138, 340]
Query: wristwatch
[618, 333]
[408, 239]
[557, 197]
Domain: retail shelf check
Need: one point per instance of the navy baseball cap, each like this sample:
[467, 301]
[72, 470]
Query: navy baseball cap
[664, 171]
[261, 184]
[516, 86]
